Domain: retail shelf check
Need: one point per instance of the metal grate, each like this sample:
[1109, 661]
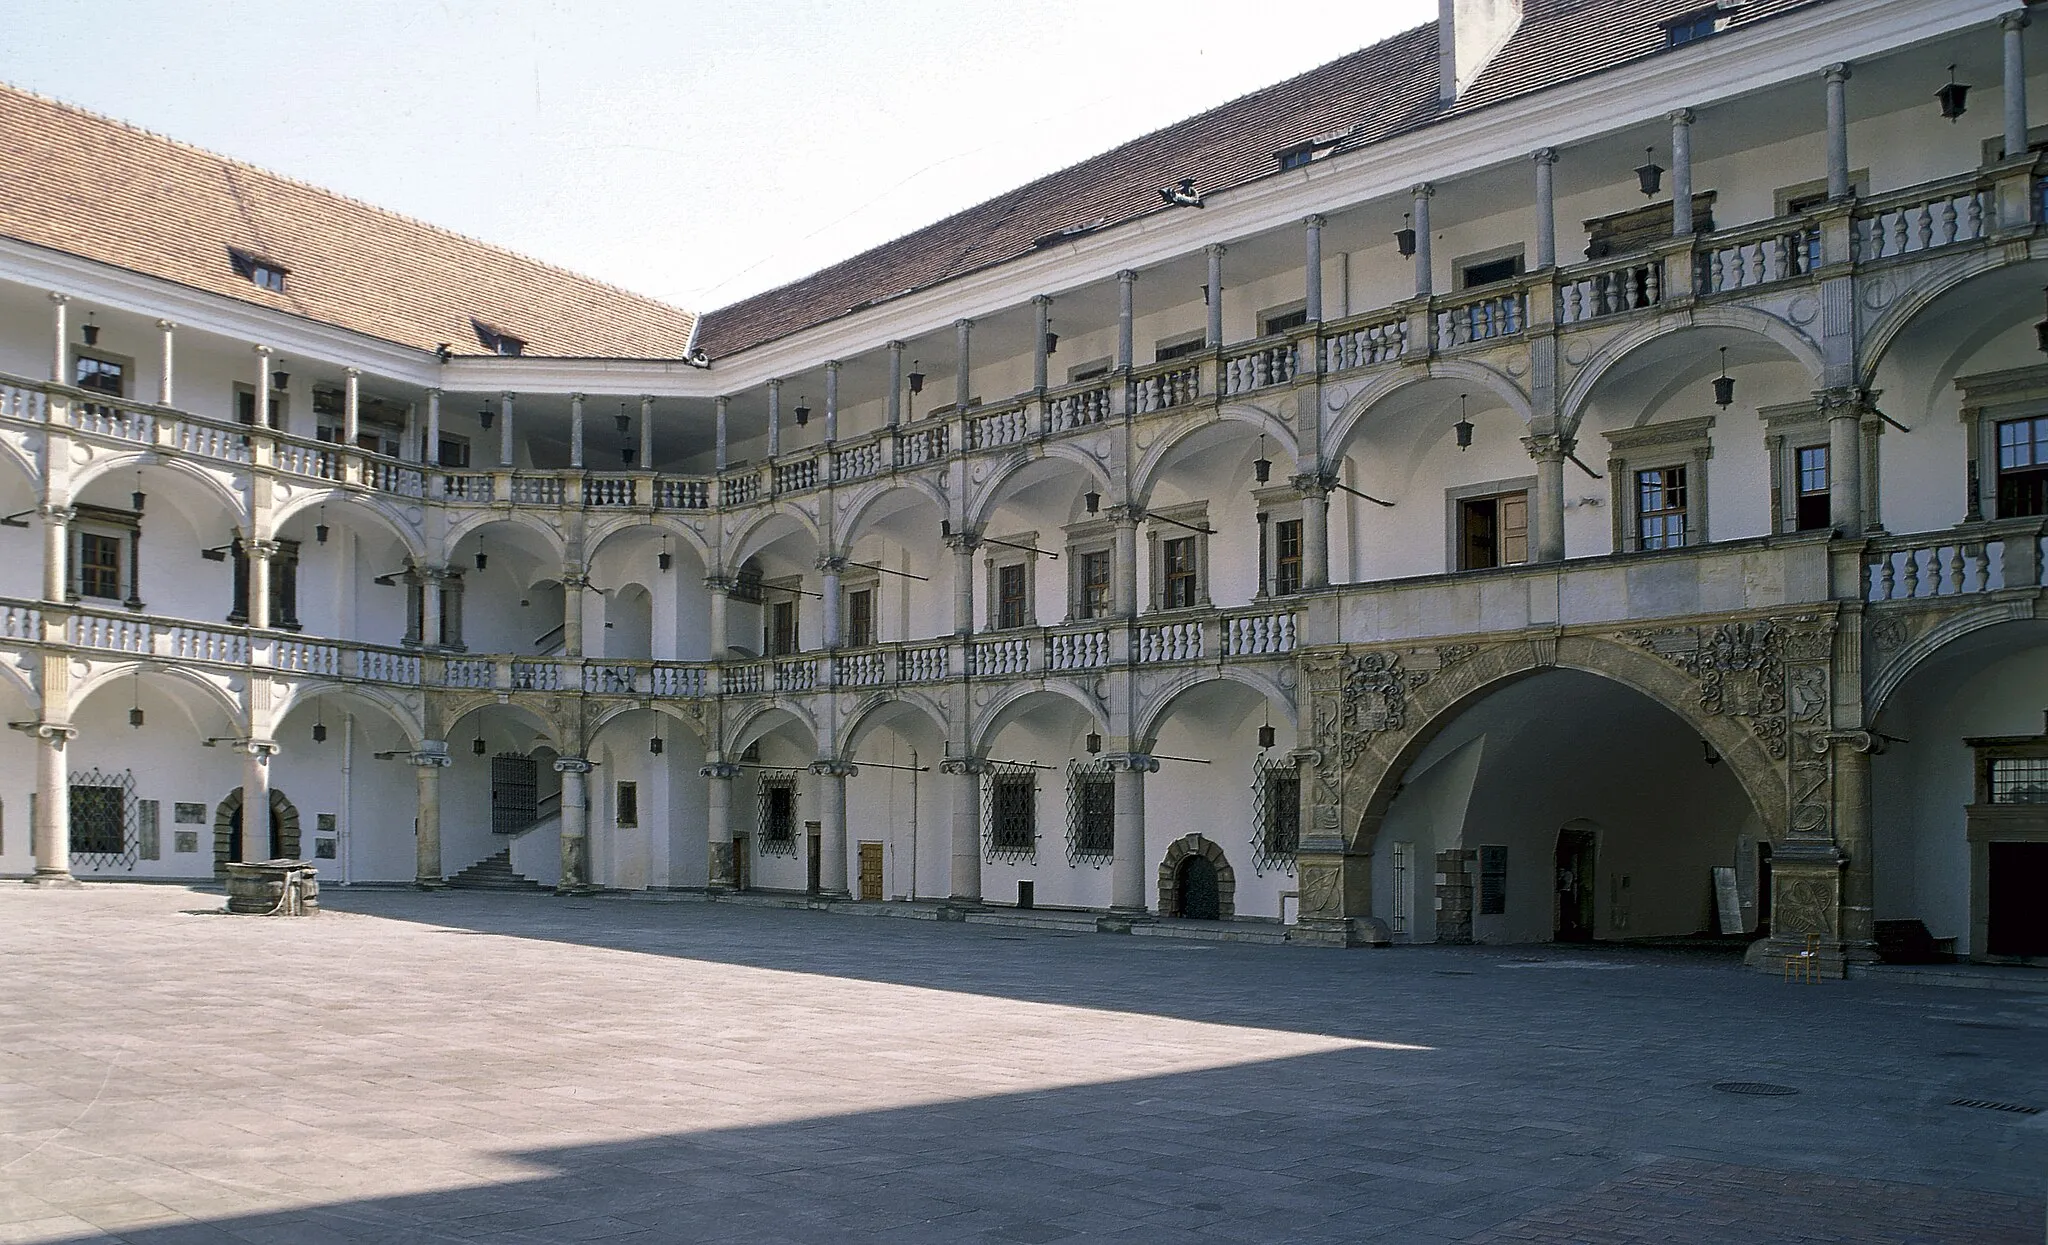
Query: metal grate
[1091, 813]
[1760, 1089]
[777, 828]
[1276, 816]
[515, 792]
[1986, 1104]
[103, 819]
[1009, 814]
[2019, 780]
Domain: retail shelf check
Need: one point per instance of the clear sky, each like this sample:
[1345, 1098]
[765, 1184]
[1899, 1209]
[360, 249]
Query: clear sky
[690, 151]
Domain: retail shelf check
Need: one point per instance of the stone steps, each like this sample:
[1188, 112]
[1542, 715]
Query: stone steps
[494, 873]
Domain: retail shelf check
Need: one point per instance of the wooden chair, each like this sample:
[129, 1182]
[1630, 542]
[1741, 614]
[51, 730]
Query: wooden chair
[1804, 965]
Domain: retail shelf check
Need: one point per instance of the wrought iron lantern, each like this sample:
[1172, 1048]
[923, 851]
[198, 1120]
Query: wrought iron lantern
[477, 746]
[1724, 385]
[916, 377]
[1650, 173]
[803, 413]
[91, 332]
[486, 417]
[1952, 97]
[1463, 428]
[1404, 237]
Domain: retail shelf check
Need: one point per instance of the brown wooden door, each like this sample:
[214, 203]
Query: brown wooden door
[742, 864]
[871, 872]
[817, 856]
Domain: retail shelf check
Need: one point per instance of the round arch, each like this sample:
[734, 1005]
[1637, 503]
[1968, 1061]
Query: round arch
[182, 676]
[470, 524]
[1947, 639]
[393, 520]
[21, 455]
[1377, 390]
[1219, 429]
[1024, 468]
[882, 708]
[667, 709]
[1729, 316]
[228, 825]
[763, 530]
[550, 732]
[401, 715]
[1161, 705]
[597, 534]
[132, 460]
[1178, 853]
[1016, 701]
[1893, 322]
[854, 520]
[763, 718]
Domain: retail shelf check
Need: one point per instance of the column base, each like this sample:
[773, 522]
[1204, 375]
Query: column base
[1123, 920]
[430, 884]
[831, 896]
[1341, 931]
[54, 879]
[958, 909]
[575, 890]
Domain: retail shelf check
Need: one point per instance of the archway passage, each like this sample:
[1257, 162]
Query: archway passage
[1197, 889]
[1196, 881]
[228, 831]
[1565, 806]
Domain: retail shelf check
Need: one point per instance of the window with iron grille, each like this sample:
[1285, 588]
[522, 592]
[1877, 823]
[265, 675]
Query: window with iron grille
[2019, 780]
[2023, 467]
[1493, 881]
[101, 804]
[515, 792]
[1010, 813]
[1276, 816]
[1660, 507]
[778, 813]
[1091, 813]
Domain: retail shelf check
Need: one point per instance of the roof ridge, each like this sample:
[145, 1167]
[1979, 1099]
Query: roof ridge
[301, 183]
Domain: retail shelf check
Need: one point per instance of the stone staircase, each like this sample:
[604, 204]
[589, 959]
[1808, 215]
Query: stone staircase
[494, 873]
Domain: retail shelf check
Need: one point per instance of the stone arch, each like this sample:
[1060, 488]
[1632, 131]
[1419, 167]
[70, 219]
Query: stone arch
[22, 453]
[984, 504]
[465, 526]
[775, 523]
[1152, 716]
[284, 818]
[864, 716]
[1151, 467]
[402, 715]
[595, 536]
[213, 692]
[1886, 680]
[370, 503]
[129, 460]
[1177, 852]
[1005, 708]
[1610, 354]
[853, 520]
[669, 709]
[454, 713]
[1377, 390]
[1890, 325]
[1371, 783]
[740, 732]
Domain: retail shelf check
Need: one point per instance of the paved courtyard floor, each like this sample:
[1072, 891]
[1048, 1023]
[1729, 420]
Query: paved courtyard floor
[454, 1067]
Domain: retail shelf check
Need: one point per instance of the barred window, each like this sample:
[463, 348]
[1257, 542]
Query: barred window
[1010, 814]
[1091, 813]
[1493, 881]
[98, 820]
[778, 813]
[1276, 816]
[2019, 780]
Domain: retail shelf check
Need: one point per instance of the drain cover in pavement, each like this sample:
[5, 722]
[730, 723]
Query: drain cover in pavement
[1762, 1089]
[1985, 1104]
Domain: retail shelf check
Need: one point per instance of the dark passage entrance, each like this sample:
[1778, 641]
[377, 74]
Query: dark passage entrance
[1575, 848]
[235, 837]
[1197, 889]
[2018, 899]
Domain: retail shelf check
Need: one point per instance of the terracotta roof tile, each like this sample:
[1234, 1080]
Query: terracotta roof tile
[93, 187]
[1379, 91]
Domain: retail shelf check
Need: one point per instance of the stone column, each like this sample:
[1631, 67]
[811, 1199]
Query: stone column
[646, 432]
[1126, 282]
[1546, 208]
[1852, 751]
[963, 544]
[720, 588]
[966, 772]
[576, 432]
[430, 605]
[1042, 304]
[1315, 530]
[256, 754]
[53, 802]
[56, 551]
[1215, 252]
[1844, 408]
[895, 416]
[1123, 587]
[429, 759]
[963, 380]
[2015, 83]
[575, 825]
[60, 350]
[164, 387]
[257, 554]
[1681, 173]
[832, 776]
[831, 400]
[505, 446]
[351, 407]
[724, 440]
[573, 583]
[430, 453]
[1546, 518]
[831, 568]
[1312, 276]
[1837, 79]
[774, 417]
[1127, 867]
[1425, 273]
[263, 386]
[718, 821]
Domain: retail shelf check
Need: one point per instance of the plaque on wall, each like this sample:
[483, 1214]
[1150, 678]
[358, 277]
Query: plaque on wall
[189, 815]
[184, 840]
[323, 848]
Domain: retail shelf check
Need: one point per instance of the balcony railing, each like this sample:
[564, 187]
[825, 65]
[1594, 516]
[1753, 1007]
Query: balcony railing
[1966, 562]
[1923, 218]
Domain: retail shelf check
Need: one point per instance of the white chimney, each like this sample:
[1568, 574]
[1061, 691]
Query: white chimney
[1468, 35]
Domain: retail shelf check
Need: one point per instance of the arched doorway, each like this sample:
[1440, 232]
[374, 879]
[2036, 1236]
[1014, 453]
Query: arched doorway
[227, 830]
[1196, 888]
[1196, 881]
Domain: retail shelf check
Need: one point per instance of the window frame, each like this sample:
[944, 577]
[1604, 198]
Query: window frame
[1011, 833]
[867, 588]
[1180, 346]
[1164, 526]
[1457, 499]
[81, 355]
[1511, 255]
[1295, 312]
[1274, 506]
[124, 529]
[999, 560]
[1086, 540]
[626, 804]
[1800, 425]
[1681, 443]
[1990, 399]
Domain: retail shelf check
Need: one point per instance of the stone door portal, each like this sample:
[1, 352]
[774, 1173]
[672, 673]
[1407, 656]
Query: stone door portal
[1199, 900]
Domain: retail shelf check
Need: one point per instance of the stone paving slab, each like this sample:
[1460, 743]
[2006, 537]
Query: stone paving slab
[452, 1067]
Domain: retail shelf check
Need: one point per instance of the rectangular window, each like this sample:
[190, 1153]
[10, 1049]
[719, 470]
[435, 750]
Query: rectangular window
[2023, 467]
[454, 453]
[1282, 321]
[1660, 507]
[860, 617]
[1286, 556]
[1812, 505]
[98, 820]
[1282, 830]
[1178, 565]
[1692, 28]
[2019, 780]
[1094, 816]
[1094, 574]
[1489, 271]
[778, 812]
[99, 566]
[245, 407]
[515, 795]
[628, 804]
[101, 376]
[1493, 531]
[1013, 814]
[1179, 349]
[284, 586]
[1493, 881]
[1010, 598]
[781, 628]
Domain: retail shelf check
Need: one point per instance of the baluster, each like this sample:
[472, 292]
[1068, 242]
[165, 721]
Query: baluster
[1912, 576]
[1955, 570]
[1887, 578]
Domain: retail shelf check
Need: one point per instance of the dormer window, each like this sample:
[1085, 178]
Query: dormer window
[1314, 149]
[259, 271]
[497, 341]
[1694, 26]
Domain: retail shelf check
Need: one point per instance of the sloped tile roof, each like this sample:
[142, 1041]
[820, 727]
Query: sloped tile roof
[83, 184]
[1379, 91]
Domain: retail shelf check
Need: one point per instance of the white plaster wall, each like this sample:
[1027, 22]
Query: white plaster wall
[779, 750]
[909, 812]
[167, 760]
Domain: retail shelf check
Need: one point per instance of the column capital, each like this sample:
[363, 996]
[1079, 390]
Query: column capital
[260, 548]
[1549, 447]
[1422, 190]
[264, 350]
[1837, 72]
[964, 765]
[831, 365]
[647, 399]
[1129, 762]
[720, 583]
[573, 765]
[832, 564]
[56, 734]
[431, 754]
[506, 395]
[963, 323]
[1217, 249]
[56, 514]
[723, 399]
[1315, 220]
[1312, 484]
[2015, 20]
[59, 298]
[352, 372]
[435, 393]
[1037, 300]
[1544, 155]
[893, 344]
[725, 771]
[1681, 116]
[167, 325]
[1843, 401]
[964, 540]
[833, 767]
[261, 749]
[578, 580]
[1824, 742]
[1127, 275]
